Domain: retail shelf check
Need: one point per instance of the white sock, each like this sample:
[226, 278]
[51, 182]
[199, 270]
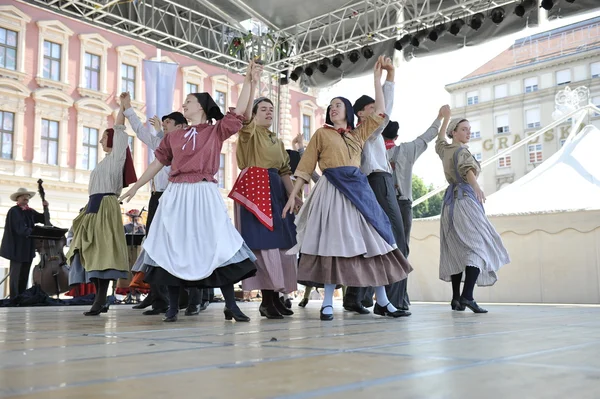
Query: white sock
[382, 299]
[328, 299]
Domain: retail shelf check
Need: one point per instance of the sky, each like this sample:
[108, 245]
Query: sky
[420, 88]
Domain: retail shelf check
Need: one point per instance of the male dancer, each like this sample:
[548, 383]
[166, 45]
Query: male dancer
[375, 166]
[175, 120]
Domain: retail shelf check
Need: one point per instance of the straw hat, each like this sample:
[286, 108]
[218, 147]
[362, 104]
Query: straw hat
[21, 191]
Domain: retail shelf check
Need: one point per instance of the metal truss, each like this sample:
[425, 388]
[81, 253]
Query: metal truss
[171, 26]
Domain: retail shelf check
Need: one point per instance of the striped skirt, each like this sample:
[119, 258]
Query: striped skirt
[469, 239]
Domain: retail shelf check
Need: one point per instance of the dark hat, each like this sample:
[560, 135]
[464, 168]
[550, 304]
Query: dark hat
[177, 117]
[361, 103]
[349, 114]
[391, 130]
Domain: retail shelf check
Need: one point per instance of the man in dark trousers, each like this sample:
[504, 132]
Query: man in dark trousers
[16, 246]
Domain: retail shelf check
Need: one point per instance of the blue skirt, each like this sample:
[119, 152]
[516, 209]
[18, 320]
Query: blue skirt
[256, 235]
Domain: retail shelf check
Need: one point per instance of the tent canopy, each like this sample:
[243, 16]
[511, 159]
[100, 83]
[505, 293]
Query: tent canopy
[568, 181]
[291, 33]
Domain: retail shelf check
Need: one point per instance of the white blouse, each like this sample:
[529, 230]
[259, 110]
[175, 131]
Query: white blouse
[107, 176]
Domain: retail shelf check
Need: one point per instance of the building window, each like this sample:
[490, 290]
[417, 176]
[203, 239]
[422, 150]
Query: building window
[52, 58]
[595, 69]
[7, 132]
[500, 91]
[472, 98]
[128, 79]
[531, 84]
[477, 156]
[562, 142]
[221, 100]
[535, 153]
[8, 49]
[596, 102]
[563, 77]
[306, 126]
[532, 117]
[191, 88]
[49, 142]
[90, 148]
[131, 144]
[475, 130]
[92, 71]
[221, 173]
[505, 161]
[502, 124]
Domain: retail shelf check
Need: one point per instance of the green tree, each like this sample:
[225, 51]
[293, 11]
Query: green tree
[431, 207]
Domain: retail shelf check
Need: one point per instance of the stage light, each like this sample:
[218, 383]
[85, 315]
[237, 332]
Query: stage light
[547, 4]
[498, 15]
[367, 52]
[354, 56]
[570, 1]
[524, 7]
[283, 79]
[337, 60]
[398, 45]
[403, 42]
[418, 38]
[295, 75]
[457, 26]
[477, 21]
[309, 70]
[324, 65]
[437, 32]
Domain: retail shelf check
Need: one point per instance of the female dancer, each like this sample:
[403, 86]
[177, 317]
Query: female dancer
[468, 241]
[192, 241]
[343, 235]
[260, 193]
[98, 251]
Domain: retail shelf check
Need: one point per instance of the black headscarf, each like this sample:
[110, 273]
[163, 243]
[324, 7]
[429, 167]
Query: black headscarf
[349, 113]
[210, 107]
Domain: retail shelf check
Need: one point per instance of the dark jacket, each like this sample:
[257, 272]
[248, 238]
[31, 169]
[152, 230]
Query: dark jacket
[16, 244]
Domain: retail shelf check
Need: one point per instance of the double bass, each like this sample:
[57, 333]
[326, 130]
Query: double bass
[52, 273]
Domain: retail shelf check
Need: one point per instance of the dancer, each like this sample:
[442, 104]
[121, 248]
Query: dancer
[98, 251]
[16, 246]
[468, 241]
[158, 296]
[375, 166]
[260, 193]
[192, 241]
[343, 235]
[402, 159]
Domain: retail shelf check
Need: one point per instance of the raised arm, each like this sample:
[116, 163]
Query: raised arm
[254, 76]
[144, 133]
[389, 85]
[446, 114]
[379, 100]
[244, 97]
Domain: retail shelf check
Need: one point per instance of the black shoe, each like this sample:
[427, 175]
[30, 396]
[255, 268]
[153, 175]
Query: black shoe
[456, 305]
[471, 304]
[192, 310]
[154, 312]
[281, 308]
[288, 303]
[367, 303]
[93, 312]
[144, 304]
[235, 314]
[303, 303]
[326, 317]
[356, 307]
[269, 313]
[383, 311]
[171, 319]
[204, 305]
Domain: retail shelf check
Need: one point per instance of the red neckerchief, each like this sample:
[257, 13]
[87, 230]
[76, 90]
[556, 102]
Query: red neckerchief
[341, 130]
[25, 207]
[389, 144]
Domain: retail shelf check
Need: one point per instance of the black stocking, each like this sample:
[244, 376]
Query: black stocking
[456, 279]
[471, 274]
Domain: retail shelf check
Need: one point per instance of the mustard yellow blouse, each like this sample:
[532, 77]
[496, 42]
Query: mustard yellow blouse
[466, 161]
[258, 146]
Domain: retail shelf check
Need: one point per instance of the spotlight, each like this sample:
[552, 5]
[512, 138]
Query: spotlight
[367, 52]
[354, 56]
[283, 79]
[570, 1]
[477, 21]
[437, 32]
[324, 65]
[309, 70]
[457, 26]
[547, 4]
[498, 15]
[418, 38]
[398, 45]
[522, 8]
[337, 60]
[295, 75]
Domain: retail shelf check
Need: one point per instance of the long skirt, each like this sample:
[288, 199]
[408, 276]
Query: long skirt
[469, 239]
[276, 270]
[98, 248]
[339, 246]
[193, 241]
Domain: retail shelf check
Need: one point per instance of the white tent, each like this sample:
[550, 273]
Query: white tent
[549, 221]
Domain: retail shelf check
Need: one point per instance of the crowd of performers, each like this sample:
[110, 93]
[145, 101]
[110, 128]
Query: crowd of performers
[352, 231]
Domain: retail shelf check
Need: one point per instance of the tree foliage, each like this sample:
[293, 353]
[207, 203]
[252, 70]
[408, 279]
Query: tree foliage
[431, 207]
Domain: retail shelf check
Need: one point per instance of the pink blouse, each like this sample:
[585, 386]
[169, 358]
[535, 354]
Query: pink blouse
[194, 153]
